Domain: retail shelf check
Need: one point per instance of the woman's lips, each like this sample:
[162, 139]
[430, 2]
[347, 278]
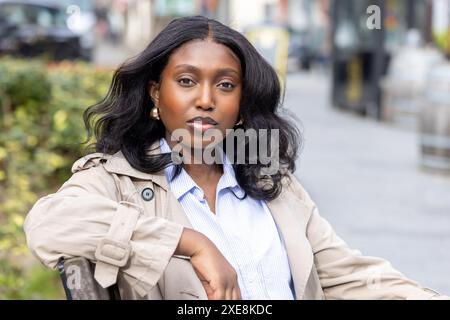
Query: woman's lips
[200, 126]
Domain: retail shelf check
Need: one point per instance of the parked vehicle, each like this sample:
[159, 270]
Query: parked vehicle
[37, 28]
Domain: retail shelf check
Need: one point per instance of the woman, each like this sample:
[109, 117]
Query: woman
[165, 224]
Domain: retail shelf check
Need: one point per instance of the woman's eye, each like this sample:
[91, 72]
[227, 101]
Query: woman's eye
[185, 81]
[227, 85]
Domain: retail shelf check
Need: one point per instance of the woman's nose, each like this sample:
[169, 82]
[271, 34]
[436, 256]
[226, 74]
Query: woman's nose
[205, 98]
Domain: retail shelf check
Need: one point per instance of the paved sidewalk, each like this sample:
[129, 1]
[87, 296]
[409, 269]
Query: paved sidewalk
[366, 179]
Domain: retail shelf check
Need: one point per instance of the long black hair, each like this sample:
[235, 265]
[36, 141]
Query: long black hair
[121, 121]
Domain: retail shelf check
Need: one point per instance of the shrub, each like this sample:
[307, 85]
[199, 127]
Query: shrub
[41, 124]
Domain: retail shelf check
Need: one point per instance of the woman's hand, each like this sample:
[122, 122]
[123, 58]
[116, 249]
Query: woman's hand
[216, 274]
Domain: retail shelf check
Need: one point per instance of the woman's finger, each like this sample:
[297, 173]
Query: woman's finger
[209, 291]
[219, 294]
[229, 294]
[236, 293]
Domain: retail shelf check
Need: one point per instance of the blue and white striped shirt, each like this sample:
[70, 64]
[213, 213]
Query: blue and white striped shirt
[243, 230]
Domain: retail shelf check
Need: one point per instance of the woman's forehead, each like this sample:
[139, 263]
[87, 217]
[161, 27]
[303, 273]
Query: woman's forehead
[204, 54]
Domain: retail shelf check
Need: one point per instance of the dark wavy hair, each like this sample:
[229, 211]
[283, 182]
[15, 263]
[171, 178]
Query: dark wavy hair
[121, 121]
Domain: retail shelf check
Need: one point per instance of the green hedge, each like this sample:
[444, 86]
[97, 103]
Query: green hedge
[41, 129]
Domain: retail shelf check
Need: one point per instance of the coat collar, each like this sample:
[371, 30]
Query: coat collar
[117, 163]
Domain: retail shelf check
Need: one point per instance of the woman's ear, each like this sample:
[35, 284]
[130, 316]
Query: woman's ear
[153, 91]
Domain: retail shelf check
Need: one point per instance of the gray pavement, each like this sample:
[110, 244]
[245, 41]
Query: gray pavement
[366, 179]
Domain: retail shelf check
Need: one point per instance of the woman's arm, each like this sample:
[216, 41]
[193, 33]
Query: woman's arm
[83, 212]
[82, 217]
[345, 273]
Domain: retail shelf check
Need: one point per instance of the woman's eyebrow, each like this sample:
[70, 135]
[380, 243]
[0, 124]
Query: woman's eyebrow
[188, 67]
[194, 69]
[225, 71]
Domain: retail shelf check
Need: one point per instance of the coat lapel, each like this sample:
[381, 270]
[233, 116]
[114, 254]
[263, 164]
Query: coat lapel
[290, 214]
[179, 280]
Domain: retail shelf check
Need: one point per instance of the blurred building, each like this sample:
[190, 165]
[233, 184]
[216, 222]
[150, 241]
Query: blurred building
[306, 23]
[136, 22]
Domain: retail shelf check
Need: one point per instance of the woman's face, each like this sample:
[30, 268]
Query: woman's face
[199, 89]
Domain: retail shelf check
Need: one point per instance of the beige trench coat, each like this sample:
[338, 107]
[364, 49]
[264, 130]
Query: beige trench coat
[129, 223]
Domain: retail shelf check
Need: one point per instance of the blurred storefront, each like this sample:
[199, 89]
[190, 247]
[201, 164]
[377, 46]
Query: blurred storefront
[366, 34]
[306, 21]
[310, 21]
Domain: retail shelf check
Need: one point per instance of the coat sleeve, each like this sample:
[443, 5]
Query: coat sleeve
[74, 220]
[345, 273]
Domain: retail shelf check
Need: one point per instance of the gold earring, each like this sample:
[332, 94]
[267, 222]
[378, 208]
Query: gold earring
[154, 113]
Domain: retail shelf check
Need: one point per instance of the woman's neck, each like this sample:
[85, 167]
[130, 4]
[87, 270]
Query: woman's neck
[199, 171]
[204, 172]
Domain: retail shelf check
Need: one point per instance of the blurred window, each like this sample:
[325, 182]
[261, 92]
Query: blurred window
[44, 18]
[13, 14]
[23, 14]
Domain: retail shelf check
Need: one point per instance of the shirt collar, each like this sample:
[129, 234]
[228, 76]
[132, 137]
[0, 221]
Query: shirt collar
[183, 183]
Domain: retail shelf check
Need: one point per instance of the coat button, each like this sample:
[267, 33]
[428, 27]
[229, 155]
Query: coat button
[147, 194]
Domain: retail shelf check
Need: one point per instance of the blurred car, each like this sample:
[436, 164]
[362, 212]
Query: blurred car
[37, 28]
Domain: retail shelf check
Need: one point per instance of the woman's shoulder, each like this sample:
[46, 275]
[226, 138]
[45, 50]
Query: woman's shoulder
[293, 186]
[89, 161]
[89, 173]
[113, 165]
[101, 174]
